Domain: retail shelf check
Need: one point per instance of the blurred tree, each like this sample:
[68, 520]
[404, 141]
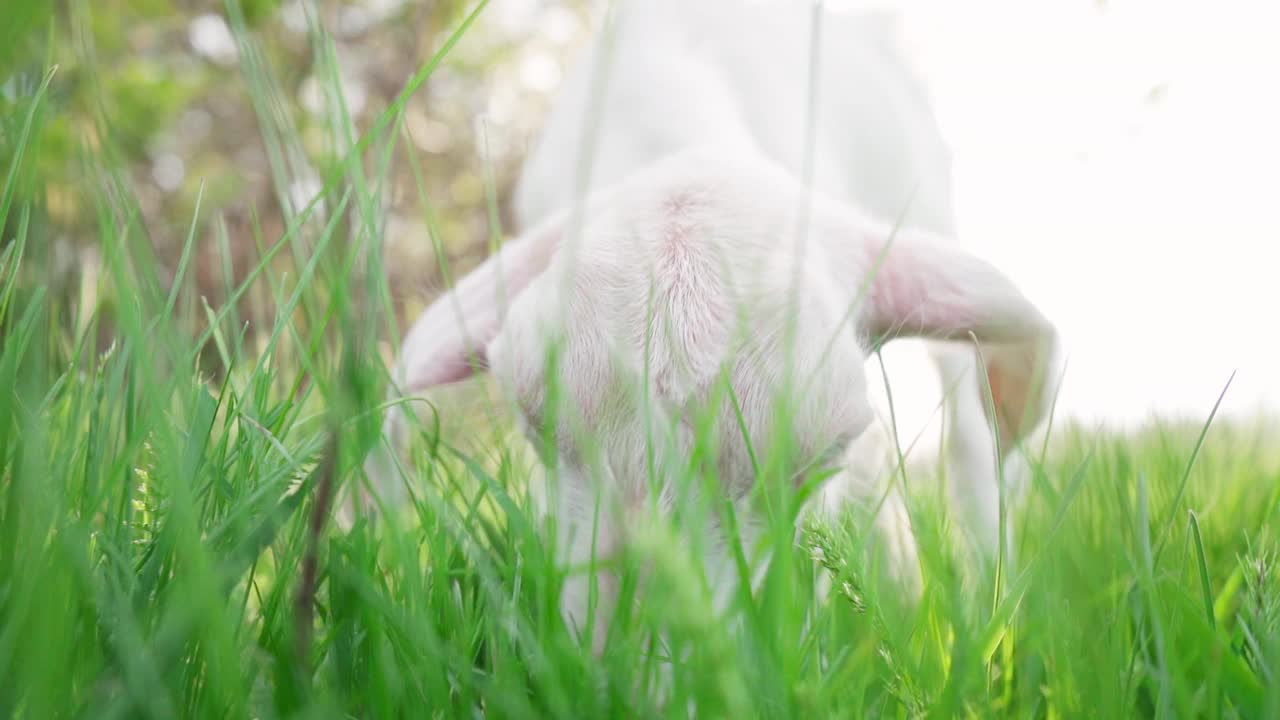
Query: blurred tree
[162, 91]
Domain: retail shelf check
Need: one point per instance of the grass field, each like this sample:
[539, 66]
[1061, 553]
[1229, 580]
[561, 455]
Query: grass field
[167, 470]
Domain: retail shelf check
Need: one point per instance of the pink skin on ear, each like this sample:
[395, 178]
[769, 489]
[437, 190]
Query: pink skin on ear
[925, 289]
[447, 342]
[909, 295]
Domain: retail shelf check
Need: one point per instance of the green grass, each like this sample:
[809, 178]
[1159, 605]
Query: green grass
[166, 549]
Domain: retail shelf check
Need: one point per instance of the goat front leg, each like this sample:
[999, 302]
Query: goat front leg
[866, 487]
[586, 538]
[976, 476]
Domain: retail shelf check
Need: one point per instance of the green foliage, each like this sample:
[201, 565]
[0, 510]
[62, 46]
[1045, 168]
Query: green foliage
[102, 86]
[158, 525]
[20, 31]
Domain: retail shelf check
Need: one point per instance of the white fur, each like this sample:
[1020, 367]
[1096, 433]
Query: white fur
[699, 254]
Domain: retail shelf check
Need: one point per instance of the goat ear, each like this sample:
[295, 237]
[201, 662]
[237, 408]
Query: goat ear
[920, 287]
[447, 342]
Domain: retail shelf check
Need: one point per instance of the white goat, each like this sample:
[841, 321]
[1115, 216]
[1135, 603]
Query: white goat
[700, 254]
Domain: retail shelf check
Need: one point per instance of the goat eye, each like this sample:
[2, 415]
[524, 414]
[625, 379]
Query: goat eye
[532, 423]
[831, 456]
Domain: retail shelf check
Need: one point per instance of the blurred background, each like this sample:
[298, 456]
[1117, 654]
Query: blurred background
[247, 122]
[1119, 158]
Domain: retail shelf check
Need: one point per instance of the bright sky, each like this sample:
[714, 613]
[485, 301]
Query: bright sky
[1122, 161]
